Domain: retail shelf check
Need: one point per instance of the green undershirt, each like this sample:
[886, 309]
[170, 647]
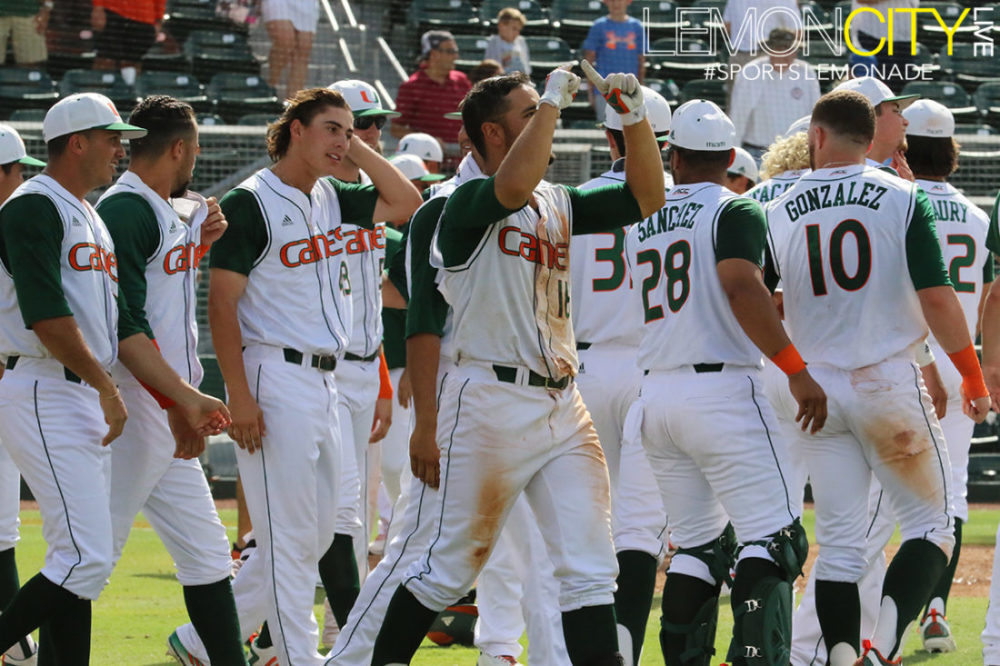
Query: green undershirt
[136, 234]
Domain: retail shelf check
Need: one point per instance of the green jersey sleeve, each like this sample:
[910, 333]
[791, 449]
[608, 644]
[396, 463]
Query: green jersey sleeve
[923, 251]
[427, 308]
[127, 324]
[134, 229]
[989, 269]
[604, 208]
[245, 240]
[469, 211]
[31, 235]
[993, 233]
[741, 232]
[396, 265]
[357, 203]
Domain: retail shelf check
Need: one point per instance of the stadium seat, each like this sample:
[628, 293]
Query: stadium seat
[984, 477]
[976, 173]
[711, 90]
[257, 119]
[184, 87]
[187, 15]
[209, 119]
[663, 19]
[987, 98]
[572, 18]
[107, 82]
[950, 94]
[969, 66]
[236, 95]
[684, 66]
[212, 52]
[458, 15]
[471, 50]
[28, 115]
[547, 53]
[978, 129]
[931, 32]
[60, 62]
[668, 89]
[537, 17]
[22, 88]
[161, 59]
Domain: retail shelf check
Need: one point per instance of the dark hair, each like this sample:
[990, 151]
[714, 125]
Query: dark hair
[703, 160]
[619, 138]
[932, 156]
[166, 120]
[303, 107]
[8, 167]
[846, 113]
[486, 103]
[57, 146]
[485, 70]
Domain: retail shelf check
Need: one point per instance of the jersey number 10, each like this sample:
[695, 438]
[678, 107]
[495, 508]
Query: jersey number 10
[840, 276]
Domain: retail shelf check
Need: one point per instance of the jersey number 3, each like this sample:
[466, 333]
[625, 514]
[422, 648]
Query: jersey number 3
[675, 265]
[840, 276]
[615, 255]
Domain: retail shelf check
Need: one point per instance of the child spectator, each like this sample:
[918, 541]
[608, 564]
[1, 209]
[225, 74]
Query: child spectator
[615, 43]
[508, 46]
[484, 70]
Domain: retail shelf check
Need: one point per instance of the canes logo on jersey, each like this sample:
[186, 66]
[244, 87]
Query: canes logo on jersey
[357, 241]
[519, 243]
[180, 258]
[93, 257]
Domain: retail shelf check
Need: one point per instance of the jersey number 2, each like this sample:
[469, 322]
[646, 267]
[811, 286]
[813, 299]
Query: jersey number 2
[840, 276]
[675, 265]
[964, 261]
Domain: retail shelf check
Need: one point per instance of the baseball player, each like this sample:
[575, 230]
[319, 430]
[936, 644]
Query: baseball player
[415, 169]
[991, 372]
[277, 354]
[696, 266]
[511, 417]
[158, 254]
[13, 159]
[424, 146]
[608, 323]
[742, 174]
[888, 149]
[785, 161]
[840, 239]
[63, 323]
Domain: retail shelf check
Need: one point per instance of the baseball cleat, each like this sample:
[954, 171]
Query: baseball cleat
[500, 660]
[262, 656]
[872, 657]
[177, 650]
[23, 653]
[936, 634]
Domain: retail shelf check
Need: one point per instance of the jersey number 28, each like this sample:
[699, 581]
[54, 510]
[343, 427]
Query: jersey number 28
[675, 265]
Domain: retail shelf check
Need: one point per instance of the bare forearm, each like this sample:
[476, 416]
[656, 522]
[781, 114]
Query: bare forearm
[62, 337]
[754, 310]
[391, 298]
[945, 318]
[525, 165]
[144, 360]
[398, 198]
[423, 353]
[228, 342]
[644, 167]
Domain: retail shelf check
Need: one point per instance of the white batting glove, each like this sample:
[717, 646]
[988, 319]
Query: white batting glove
[560, 88]
[622, 92]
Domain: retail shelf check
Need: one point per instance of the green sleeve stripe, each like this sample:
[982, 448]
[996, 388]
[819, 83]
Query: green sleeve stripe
[741, 231]
[246, 239]
[357, 202]
[923, 251]
[989, 268]
[136, 233]
[467, 215]
[427, 309]
[993, 233]
[604, 208]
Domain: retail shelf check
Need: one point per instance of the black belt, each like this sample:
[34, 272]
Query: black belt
[354, 357]
[317, 361]
[583, 345]
[703, 367]
[509, 375]
[69, 374]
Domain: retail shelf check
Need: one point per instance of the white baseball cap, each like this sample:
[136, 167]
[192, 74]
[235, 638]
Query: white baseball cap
[876, 91]
[929, 118]
[701, 125]
[413, 168]
[422, 145]
[12, 148]
[800, 125]
[657, 111]
[86, 111]
[362, 98]
[744, 165]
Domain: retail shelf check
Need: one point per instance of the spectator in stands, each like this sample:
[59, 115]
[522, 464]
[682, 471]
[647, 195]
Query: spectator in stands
[508, 46]
[23, 22]
[869, 29]
[125, 29]
[484, 70]
[615, 43]
[745, 33]
[433, 90]
[291, 25]
[771, 93]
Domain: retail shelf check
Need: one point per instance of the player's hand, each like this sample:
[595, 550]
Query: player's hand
[935, 386]
[425, 457]
[976, 409]
[189, 443]
[115, 416]
[98, 19]
[215, 224]
[404, 390]
[811, 400]
[991, 373]
[561, 86]
[901, 166]
[382, 420]
[205, 414]
[248, 428]
[622, 92]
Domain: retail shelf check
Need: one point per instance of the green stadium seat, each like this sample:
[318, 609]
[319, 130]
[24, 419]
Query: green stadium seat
[711, 90]
[931, 32]
[458, 15]
[107, 82]
[60, 62]
[668, 89]
[968, 66]
[663, 18]
[950, 94]
[987, 98]
[978, 129]
[236, 95]
[471, 50]
[209, 119]
[257, 119]
[212, 52]
[680, 67]
[23, 88]
[537, 17]
[984, 477]
[184, 87]
[572, 18]
[977, 172]
[162, 59]
[547, 53]
[28, 115]
[188, 15]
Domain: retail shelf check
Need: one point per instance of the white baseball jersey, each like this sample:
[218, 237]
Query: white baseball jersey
[773, 187]
[843, 241]
[171, 280]
[361, 280]
[673, 255]
[88, 273]
[766, 101]
[603, 308]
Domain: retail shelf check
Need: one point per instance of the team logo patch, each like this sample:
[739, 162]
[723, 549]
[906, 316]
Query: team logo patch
[76, 223]
[173, 227]
[287, 222]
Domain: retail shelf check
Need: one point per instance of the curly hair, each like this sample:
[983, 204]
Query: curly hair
[788, 154]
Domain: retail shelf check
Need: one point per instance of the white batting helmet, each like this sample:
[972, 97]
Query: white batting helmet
[929, 118]
[422, 145]
[744, 165]
[657, 112]
[701, 125]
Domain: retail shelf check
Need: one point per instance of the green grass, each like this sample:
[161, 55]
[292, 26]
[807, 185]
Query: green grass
[143, 604]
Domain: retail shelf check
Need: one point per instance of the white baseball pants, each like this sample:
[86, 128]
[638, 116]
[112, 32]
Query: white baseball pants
[396, 445]
[10, 501]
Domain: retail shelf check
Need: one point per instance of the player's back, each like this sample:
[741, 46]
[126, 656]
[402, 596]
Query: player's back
[673, 256]
[839, 240]
[774, 187]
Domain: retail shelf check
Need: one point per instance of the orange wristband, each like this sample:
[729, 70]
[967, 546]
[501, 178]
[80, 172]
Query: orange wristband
[385, 383]
[163, 401]
[967, 363]
[789, 361]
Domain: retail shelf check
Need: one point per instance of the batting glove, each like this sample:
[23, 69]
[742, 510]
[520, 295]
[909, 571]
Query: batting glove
[622, 91]
[560, 88]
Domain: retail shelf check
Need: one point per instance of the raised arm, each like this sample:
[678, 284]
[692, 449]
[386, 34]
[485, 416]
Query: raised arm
[398, 198]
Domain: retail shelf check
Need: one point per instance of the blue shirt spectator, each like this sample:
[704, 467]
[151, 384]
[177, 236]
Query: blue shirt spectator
[616, 45]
